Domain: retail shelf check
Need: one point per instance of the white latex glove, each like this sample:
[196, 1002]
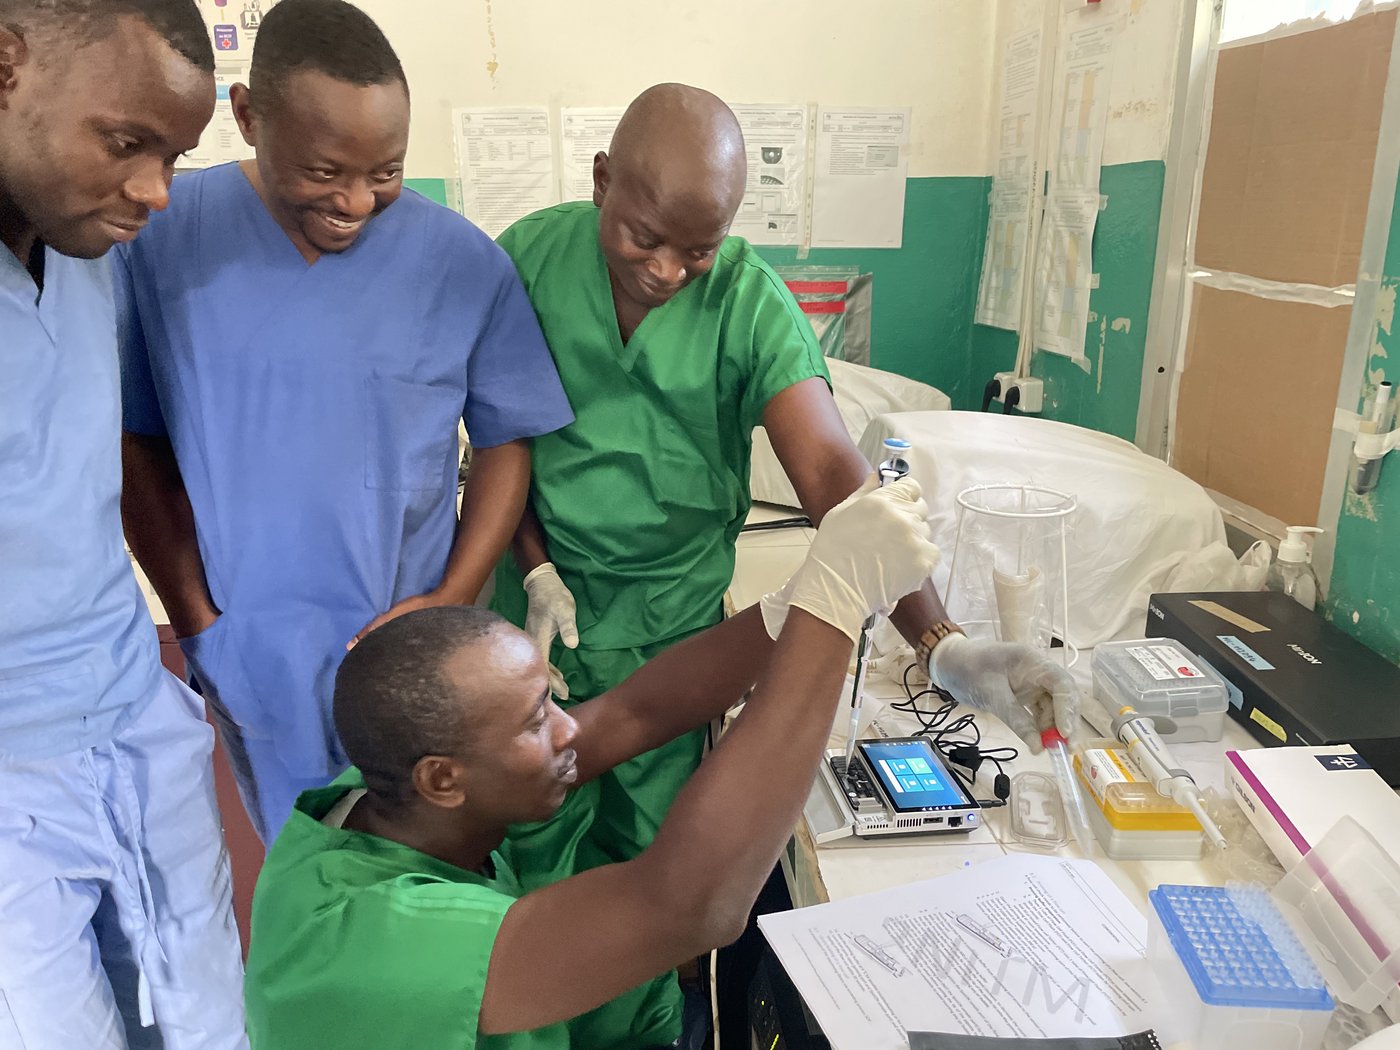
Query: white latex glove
[870, 551]
[550, 611]
[1026, 688]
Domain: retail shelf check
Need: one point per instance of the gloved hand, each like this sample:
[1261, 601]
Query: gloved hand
[1026, 688]
[870, 551]
[550, 611]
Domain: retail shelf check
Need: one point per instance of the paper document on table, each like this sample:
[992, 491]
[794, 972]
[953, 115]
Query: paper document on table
[775, 198]
[585, 131]
[506, 163]
[1018, 947]
[1066, 272]
[1088, 59]
[858, 188]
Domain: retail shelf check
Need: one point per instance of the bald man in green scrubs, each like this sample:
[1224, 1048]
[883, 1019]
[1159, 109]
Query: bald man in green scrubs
[673, 341]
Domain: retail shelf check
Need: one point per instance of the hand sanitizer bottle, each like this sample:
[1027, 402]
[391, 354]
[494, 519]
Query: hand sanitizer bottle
[1292, 572]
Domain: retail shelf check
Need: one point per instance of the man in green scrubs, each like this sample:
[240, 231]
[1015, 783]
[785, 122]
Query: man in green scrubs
[389, 912]
[673, 341]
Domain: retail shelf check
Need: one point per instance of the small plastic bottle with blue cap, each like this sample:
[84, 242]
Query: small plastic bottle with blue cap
[894, 466]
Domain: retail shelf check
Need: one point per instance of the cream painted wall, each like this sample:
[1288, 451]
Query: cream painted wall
[933, 55]
[1144, 69]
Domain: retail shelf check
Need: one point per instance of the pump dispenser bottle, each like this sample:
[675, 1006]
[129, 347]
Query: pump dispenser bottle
[1292, 572]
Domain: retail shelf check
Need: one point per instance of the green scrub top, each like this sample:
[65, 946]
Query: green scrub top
[362, 942]
[643, 496]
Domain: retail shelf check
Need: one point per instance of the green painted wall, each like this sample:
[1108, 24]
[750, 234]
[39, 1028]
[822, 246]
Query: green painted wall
[1125, 252]
[1364, 598]
[925, 293]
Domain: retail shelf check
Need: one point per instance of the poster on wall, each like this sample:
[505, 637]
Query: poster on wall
[505, 161]
[584, 132]
[1000, 293]
[1066, 273]
[774, 210]
[858, 186]
[233, 28]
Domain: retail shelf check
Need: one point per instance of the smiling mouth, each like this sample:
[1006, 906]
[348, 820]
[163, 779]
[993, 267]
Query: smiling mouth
[342, 225]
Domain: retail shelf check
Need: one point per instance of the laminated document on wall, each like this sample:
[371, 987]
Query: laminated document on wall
[858, 187]
[505, 160]
[775, 199]
[1017, 947]
[1065, 272]
[1008, 221]
[1088, 66]
[1004, 259]
[233, 26]
[585, 131]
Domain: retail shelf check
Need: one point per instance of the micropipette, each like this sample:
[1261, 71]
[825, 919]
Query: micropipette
[894, 467]
[1146, 749]
[1075, 812]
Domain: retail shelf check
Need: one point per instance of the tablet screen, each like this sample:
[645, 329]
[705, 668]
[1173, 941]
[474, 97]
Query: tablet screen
[912, 775]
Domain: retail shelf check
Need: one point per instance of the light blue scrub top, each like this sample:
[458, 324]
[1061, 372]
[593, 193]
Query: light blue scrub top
[78, 653]
[313, 410]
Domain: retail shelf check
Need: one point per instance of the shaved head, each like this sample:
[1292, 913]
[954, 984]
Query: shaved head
[681, 142]
[667, 192]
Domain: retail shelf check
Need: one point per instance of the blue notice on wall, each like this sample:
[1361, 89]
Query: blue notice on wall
[1245, 653]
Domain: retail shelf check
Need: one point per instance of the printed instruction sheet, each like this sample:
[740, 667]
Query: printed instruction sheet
[1008, 222]
[1088, 69]
[221, 142]
[585, 131]
[233, 28]
[1018, 947]
[1066, 272]
[774, 210]
[858, 187]
[505, 159]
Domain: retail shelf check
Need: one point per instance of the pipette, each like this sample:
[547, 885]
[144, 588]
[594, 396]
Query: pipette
[1075, 812]
[1146, 749]
[894, 467]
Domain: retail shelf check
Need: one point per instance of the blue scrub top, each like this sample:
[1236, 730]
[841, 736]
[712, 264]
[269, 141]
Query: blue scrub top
[313, 411]
[78, 652]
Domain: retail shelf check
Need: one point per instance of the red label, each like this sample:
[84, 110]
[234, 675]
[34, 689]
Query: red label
[818, 287]
[822, 308]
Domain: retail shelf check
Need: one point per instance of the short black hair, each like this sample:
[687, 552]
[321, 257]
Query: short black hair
[393, 702]
[82, 22]
[325, 36]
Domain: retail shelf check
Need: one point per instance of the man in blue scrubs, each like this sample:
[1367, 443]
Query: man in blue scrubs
[116, 925]
[300, 336]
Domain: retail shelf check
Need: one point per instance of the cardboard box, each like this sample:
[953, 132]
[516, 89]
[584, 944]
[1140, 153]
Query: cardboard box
[1293, 678]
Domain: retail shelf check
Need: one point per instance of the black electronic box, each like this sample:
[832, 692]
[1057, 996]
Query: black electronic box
[1293, 677]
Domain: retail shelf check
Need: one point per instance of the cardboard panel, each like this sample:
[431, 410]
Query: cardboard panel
[1254, 411]
[1292, 148]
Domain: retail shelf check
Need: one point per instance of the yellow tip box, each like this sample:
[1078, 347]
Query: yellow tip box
[1130, 819]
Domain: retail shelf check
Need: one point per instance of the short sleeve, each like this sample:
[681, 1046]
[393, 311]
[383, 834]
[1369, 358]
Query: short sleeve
[784, 350]
[513, 388]
[141, 412]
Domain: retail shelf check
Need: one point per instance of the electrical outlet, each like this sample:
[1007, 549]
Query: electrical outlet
[1032, 399]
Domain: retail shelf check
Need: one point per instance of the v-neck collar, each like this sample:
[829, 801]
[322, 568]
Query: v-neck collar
[21, 283]
[272, 229]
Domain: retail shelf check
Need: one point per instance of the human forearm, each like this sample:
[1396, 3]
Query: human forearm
[757, 780]
[160, 527]
[528, 545]
[492, 502]
[681, 689]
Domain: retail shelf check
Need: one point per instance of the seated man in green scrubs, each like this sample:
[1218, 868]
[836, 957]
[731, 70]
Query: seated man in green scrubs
[389, 912]
[673, 341]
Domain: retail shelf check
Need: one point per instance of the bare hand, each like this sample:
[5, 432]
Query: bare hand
[431, 600]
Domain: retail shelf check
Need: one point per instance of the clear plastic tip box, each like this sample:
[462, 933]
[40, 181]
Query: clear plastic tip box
[1234, 975]
[1183, 694]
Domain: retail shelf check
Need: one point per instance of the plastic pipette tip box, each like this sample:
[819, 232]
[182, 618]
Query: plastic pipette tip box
[1246, 965]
